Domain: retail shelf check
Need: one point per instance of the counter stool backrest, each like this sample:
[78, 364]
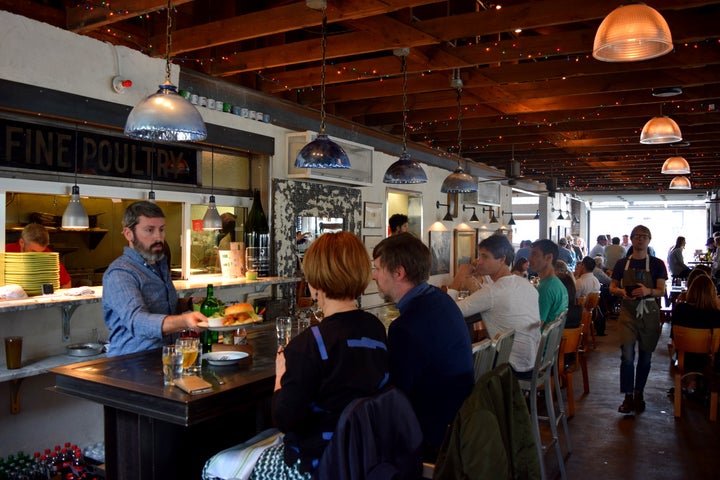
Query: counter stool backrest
[503, 343]
[483, 357]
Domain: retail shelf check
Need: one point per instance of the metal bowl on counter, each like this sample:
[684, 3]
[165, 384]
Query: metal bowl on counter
[85, 349]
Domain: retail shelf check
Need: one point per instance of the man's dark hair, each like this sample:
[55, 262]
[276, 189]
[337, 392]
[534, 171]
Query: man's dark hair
[547, 246]
[396, 221]
[616, 240]
[407, 251]
[589, 264]
[601, 237]
[140, 209]
[499, 246]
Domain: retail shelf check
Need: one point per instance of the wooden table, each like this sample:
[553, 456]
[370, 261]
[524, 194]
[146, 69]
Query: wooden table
[157, 432]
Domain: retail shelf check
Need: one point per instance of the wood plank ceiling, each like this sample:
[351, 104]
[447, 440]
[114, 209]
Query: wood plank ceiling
[536, 94]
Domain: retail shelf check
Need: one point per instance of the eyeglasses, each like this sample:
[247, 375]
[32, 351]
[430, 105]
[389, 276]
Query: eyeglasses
[641, 235]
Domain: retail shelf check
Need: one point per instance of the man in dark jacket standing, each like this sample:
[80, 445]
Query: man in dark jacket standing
[430, 351]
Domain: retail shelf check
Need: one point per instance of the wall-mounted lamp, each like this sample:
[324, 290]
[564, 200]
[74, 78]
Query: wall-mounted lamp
[447, 217]
[473, 217]
[512, 219]
[537, 215]
[559, 217]
[493, 218]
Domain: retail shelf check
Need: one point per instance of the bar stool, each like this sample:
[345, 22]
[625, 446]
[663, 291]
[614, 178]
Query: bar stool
[545, 368]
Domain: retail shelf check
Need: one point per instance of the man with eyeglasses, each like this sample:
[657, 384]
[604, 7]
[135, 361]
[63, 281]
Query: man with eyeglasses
[639, 279]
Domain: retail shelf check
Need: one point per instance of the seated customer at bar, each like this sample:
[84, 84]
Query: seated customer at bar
[324, 368]
[509, 302]
[35, 238]
[140, 303]
[553, 294]
[430, 353]
[699, 310]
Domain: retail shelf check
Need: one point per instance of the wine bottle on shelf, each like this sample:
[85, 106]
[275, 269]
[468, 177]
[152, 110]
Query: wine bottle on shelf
[257, 239]
[209, 307]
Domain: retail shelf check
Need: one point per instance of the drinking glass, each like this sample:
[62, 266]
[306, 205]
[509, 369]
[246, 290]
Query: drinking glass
[190, 351]
[283, 328]
[172, 360]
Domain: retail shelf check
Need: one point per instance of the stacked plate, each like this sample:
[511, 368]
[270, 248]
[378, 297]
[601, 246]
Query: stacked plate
[31, 270]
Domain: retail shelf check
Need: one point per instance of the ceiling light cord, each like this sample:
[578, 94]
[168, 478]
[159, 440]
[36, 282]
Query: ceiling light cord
[404, 104]
[168, 41]
[323, 47]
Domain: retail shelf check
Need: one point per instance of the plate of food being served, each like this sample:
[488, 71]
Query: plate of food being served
[234, 316]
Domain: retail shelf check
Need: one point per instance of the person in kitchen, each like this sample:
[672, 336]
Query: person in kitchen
[140, 303]
[430, 353]
[35, 238]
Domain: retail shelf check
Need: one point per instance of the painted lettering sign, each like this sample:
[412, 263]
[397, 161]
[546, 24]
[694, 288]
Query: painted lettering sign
[50, 148]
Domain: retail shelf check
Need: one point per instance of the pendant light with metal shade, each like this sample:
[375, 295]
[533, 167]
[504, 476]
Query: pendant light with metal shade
[459, 181]
[75, 217]
[632, 33]
[676, 166]
[166, 116]
[680, 183]
[211, 220]
[322, 152]
[405, 170]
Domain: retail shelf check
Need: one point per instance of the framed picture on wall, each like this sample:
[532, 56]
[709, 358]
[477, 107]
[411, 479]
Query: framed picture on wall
[372, 215]
[465, 247]
[440, 250]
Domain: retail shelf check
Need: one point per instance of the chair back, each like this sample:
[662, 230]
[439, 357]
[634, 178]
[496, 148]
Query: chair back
[548, 349]
[693, 340]
[569, 344]
[592, 300]
[503, 343]
[483, 357]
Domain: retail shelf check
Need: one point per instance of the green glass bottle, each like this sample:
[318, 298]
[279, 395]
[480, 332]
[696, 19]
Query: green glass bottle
[257, 238]
[209, 307]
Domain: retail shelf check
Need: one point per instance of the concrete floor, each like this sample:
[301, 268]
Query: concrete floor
[653, 444]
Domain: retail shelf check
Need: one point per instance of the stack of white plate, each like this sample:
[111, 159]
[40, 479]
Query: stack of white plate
[31, 270]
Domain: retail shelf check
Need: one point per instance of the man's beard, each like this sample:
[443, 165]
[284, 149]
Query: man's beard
[147, 254]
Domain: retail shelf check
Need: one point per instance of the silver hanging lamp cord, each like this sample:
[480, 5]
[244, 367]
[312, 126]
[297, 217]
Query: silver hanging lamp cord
[212, 220]
[75, 217]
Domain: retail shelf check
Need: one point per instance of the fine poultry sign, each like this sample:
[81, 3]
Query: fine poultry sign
[52, 148]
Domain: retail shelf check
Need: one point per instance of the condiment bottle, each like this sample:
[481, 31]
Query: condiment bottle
[257, 239]
[209, 307]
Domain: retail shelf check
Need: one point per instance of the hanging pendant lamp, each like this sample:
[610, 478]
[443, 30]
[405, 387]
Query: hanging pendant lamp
[211, 220]
[680, 183]
[405, 170]
[75, 217]
[660, 130]
[151, 193]
[676, 166]
[631, 33]
[166, 116]
[459, 181]
[322, 152]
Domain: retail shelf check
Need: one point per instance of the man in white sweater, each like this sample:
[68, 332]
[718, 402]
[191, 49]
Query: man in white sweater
[585, 281]
[509, 302]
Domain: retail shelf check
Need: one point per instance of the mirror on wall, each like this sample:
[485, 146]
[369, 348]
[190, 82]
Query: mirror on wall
[307, 229]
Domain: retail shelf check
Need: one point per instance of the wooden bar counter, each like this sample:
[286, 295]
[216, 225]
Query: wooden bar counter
[157, 432]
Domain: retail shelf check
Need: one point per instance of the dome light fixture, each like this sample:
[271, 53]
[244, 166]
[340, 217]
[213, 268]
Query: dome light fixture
[676, 166]
[322, 152]
[459, 181]
[166, 116]
[680, 183]
[405, 170]
[631, 33]
[75, 217]
[659, 130]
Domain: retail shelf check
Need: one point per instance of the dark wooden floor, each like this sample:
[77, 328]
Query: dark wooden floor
[653, 444]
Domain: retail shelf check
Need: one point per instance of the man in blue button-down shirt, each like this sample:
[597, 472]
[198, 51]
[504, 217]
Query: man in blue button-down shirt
[140, 303]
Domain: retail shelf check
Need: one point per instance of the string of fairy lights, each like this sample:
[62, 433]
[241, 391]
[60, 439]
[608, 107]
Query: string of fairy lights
[512, 51]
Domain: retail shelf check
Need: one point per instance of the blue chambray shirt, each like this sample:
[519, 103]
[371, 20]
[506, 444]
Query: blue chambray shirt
[136, 299]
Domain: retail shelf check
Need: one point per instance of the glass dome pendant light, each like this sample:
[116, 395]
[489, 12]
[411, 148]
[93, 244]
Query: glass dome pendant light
[211, 220]
[322, 152]
[631, 33]
[459, 181]
[680, 183]
[405, 170]
[676, 166]
[75, 217]
[659, 130]
[166, 116]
